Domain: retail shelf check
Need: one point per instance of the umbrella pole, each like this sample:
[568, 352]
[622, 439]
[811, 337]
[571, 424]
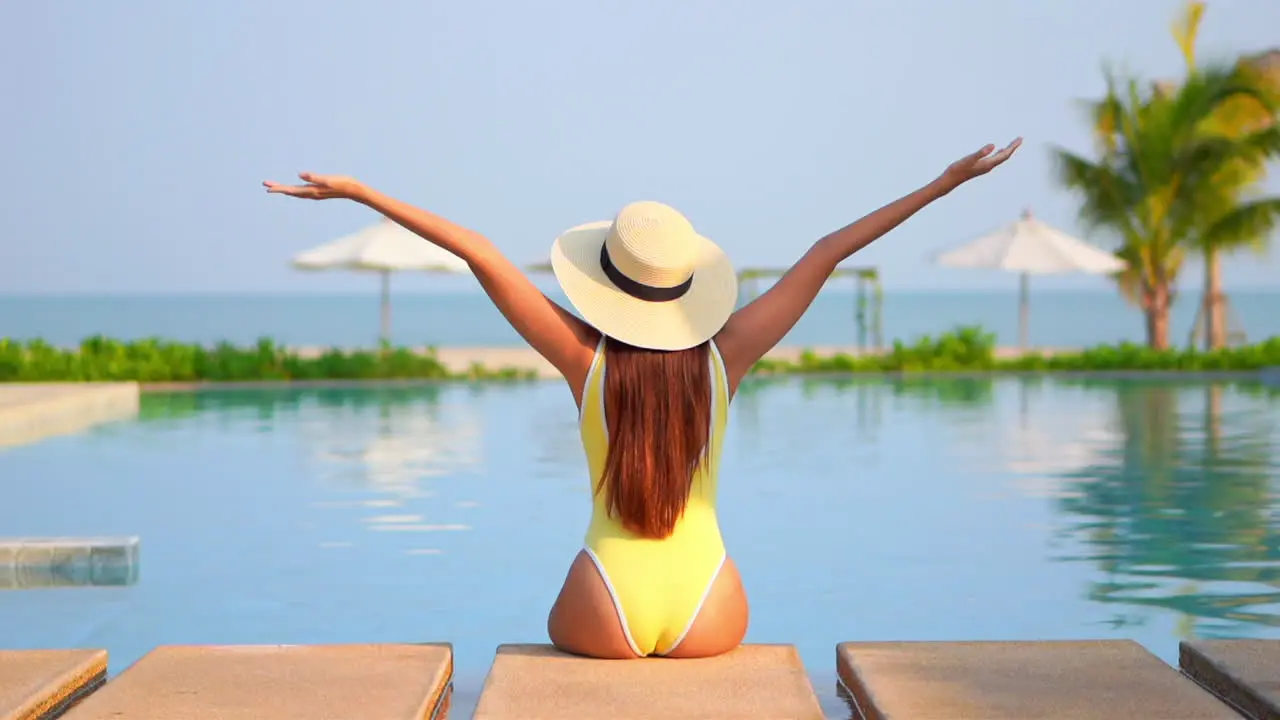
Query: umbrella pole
[384, 335]
[1024, 310]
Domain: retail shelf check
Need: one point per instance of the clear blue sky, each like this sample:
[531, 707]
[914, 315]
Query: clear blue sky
[135, 135]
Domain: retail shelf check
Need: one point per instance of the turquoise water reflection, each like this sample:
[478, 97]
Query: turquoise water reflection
[1181, 514]
[856, 509]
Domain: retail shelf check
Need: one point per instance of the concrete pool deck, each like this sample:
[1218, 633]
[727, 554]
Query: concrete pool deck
[1000, 680]
[460, 359]
[281, 682]
[40, 684]
[996, 680]
[30, 412]
[537, 682]
[1243, 673]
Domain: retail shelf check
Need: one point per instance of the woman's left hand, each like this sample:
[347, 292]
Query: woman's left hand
[318, 187]
[979, 163]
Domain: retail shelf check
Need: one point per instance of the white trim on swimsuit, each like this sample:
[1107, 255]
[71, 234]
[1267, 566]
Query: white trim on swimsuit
[713, 358]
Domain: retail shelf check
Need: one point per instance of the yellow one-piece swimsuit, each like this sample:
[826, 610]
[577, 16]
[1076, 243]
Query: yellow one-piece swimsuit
[658, 586]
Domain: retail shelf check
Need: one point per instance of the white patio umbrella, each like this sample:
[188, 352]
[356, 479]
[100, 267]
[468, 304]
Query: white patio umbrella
[1030, 247]
[384, 248]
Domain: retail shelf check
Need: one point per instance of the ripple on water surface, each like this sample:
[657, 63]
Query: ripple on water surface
[857, 510]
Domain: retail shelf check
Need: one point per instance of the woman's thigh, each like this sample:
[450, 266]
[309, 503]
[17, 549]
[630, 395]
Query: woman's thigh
[721, 623]
[584, 620]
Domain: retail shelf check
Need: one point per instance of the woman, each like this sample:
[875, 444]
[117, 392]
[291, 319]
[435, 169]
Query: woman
[652, 370]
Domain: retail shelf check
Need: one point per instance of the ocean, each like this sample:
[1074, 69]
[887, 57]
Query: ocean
[1058, 319]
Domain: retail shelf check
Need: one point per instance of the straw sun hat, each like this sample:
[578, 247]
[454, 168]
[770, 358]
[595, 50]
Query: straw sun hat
[647, 278]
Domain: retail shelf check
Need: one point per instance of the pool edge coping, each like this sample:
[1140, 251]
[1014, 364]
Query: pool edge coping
[1262, 375]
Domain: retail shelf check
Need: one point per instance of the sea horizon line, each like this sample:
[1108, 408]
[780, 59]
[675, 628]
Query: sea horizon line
[313, 295]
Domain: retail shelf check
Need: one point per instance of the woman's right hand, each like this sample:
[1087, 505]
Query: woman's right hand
[319, 187]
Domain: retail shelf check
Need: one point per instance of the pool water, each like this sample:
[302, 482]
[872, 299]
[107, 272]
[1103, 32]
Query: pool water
[856, 510]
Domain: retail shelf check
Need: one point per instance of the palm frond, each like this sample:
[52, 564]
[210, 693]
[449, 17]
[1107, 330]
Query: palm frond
[1230, 99]
[1170, 175]
[1108, 195]
[1104, 116]
[1246, 225]
[1264, 143]
[1186, 28]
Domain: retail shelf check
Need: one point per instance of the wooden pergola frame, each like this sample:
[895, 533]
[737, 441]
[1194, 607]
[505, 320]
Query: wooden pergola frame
[868, 315]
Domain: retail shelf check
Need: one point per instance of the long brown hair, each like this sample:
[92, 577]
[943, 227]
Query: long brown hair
[658, 411]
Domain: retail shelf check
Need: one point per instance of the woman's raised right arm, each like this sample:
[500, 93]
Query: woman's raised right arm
[565, 341]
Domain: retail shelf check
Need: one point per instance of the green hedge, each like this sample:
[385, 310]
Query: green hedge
[156, 361]
[967, 349]
[970, 349]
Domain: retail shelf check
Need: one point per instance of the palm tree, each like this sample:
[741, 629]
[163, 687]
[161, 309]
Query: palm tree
[1243, 220]
[1158, 184]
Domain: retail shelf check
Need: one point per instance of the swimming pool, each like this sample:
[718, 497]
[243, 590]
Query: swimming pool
[866, 509]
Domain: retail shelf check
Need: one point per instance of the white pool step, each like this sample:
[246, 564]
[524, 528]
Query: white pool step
[36, 562]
